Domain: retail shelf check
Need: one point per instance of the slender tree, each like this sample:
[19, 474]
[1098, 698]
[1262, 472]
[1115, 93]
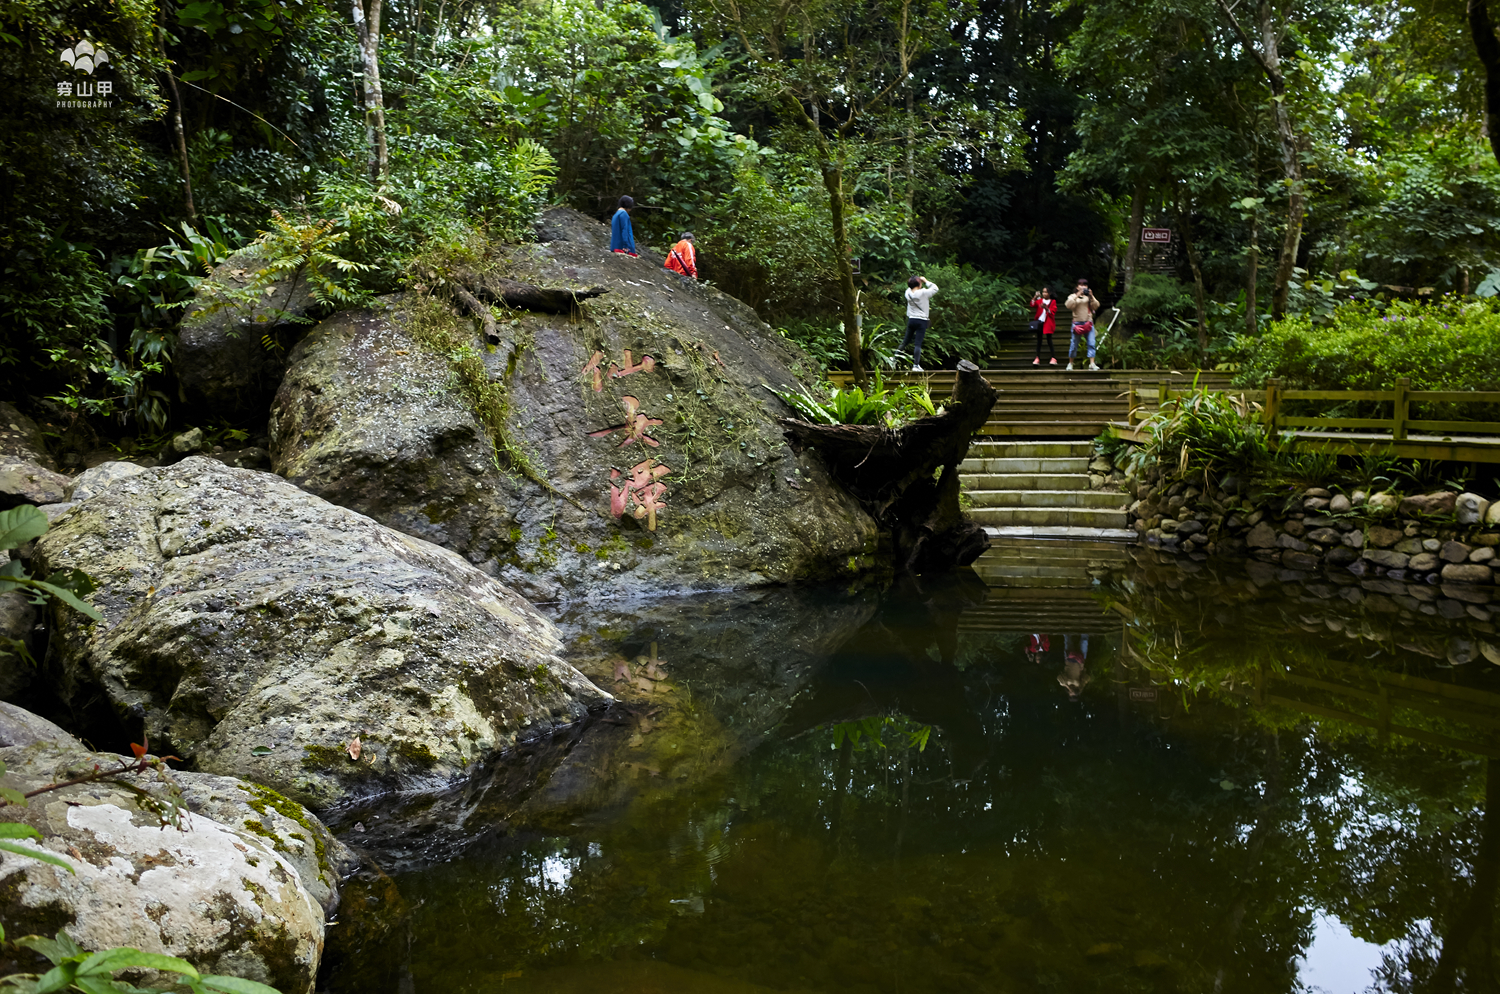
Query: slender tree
[830, 67]
[1272, 24]
[367, 28]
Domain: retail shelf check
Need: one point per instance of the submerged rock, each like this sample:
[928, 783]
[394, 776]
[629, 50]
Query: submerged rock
[372, 416]
[241, 888]
[259, 631]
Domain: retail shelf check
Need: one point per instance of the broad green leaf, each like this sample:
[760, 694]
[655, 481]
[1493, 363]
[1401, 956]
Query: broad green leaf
[108, 961]
[69, 598]
[15, 830]
[39, 854]
[237, 985]
[105, 985]
[20, 525]
[58, 978]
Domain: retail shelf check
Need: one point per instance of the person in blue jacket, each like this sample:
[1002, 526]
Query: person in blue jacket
[621, 236]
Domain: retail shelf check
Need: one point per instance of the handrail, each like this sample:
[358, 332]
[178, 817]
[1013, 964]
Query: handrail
[1400, 423]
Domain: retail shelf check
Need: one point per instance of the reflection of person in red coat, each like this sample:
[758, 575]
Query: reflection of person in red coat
[1044, 323]
[682, 259]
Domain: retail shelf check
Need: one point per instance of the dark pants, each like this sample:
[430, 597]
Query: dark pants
[916, 330]
[1050, 348]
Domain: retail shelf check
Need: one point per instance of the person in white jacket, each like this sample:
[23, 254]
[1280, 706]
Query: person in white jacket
[919, 291]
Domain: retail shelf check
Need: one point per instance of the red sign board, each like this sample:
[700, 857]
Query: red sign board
[1156, 236]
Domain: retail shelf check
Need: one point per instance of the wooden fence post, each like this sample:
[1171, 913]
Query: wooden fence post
[1399, 418]
[1273, 403]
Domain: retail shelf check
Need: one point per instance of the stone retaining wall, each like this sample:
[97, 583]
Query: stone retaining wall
[1427, 548]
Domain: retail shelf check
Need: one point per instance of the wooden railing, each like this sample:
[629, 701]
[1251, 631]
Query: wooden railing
[1399, 424]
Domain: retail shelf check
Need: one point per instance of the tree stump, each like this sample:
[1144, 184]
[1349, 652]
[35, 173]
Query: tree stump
[895, 474]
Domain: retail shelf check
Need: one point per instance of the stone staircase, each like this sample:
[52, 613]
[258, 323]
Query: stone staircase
[1040, 489]
[1045, 586]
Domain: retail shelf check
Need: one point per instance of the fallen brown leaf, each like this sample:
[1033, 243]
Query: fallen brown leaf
[354, 748]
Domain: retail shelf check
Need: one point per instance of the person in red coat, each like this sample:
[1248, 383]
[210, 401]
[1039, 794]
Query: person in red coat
[1044, 323]
[682, 259]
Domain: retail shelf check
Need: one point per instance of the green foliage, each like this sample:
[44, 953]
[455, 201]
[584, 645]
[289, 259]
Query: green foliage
[1156, 302]
[20, 525]
[14, 830]
[869, 734]
[1203, 433]
[891, 408]
[1448, 345]
[76, 969]
[292, 249]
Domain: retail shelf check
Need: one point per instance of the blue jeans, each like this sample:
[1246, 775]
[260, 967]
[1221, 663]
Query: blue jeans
[1073, 344]
[916, 329]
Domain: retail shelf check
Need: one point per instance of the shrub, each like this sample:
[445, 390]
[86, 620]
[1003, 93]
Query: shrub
[1448, 344]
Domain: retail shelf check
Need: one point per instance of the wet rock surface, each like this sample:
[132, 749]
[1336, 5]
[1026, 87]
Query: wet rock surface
[241, 888]
[371, 419]
[258, 631]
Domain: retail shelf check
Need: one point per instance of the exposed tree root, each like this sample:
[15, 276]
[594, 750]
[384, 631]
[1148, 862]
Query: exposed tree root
[892, 473]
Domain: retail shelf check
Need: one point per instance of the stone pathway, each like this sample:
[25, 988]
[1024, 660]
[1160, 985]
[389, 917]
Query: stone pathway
[1041, 489]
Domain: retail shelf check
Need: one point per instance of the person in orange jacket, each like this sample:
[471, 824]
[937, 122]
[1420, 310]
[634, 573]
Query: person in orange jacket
[682, 259]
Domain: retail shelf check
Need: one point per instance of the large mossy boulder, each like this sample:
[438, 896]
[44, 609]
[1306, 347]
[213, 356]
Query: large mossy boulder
[615, 472]
[258, 631]
[223, 365]
[240, 886]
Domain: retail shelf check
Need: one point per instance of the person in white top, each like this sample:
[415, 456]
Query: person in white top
[919, 291]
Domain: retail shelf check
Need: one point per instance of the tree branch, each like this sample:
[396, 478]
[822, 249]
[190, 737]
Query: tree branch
[1255, 53]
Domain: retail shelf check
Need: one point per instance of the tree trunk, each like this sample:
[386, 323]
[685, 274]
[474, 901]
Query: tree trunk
[182, 151]
[367, 27]
[1488, 47]
[1252, 259]
[1291, 163]
[1133, 245]
[833, 182]
[1185, 227]
[1268, 56]
[183, 162]
[891, 474]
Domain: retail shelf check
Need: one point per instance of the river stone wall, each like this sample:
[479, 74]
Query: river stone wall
[1435, 552]
[651, 408]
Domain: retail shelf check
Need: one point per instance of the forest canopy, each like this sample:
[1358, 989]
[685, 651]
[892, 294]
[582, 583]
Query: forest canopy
[1302, 152]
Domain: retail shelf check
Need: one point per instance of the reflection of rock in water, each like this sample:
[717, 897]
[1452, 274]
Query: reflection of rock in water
[703, 679]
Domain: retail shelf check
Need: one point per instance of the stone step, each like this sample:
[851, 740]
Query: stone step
[1048, 466]
[1024, 481]
[1029, 449]
[1035, 517]
[1031, 429]
[1062, 555]
[1068, 571]
[1070, 533]
[1047, 498]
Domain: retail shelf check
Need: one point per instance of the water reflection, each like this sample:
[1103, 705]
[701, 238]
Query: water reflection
[1136, 778]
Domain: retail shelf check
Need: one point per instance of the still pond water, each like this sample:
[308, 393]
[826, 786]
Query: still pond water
[1074, 770]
